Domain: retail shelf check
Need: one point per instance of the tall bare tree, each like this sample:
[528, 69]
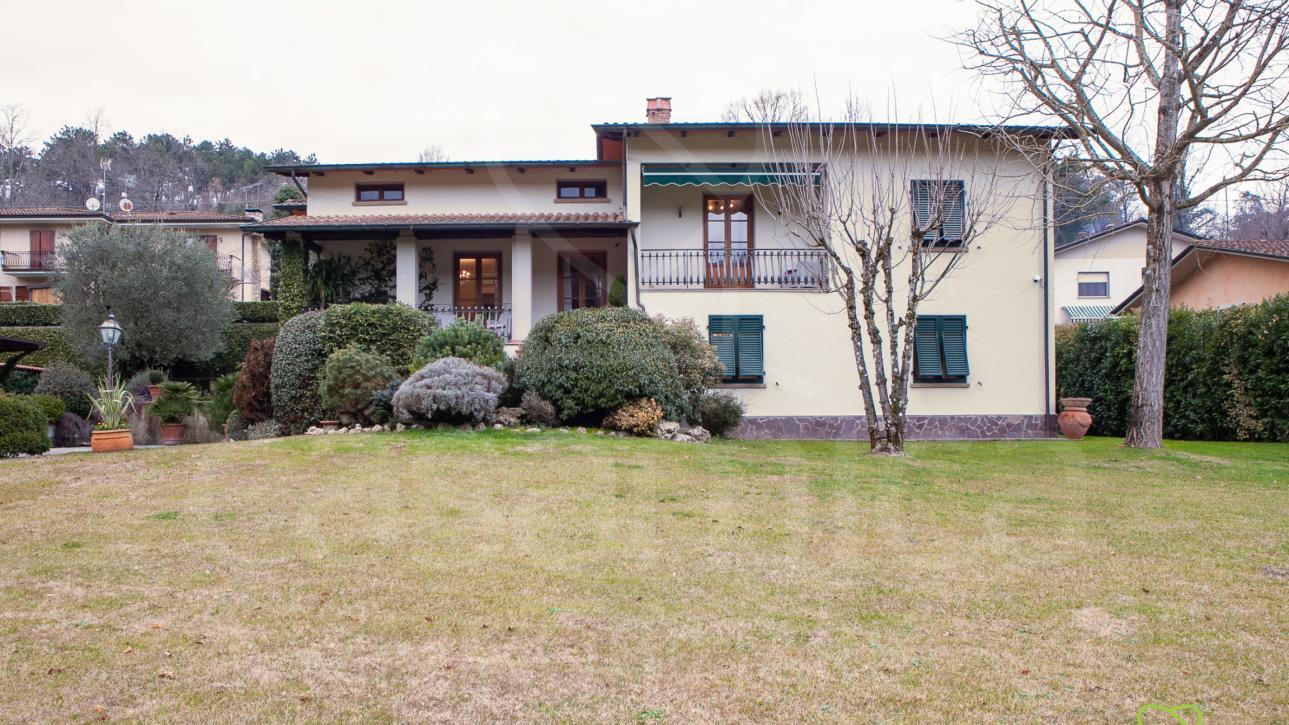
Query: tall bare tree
[895, 207]
[767, 106]
[432, 153]
[15, 152]
[1148, 86]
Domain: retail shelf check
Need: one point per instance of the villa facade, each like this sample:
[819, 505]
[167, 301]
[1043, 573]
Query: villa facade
[666, 216]
[29, 238]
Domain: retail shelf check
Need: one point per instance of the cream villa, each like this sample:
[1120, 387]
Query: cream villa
[29, 237]
[1094, 275]
[665, 216]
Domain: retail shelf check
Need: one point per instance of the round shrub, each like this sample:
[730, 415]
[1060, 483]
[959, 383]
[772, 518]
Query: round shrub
[591, 361]
[20, 382]
[639, 417]
[390, 330]
[718, 411]
[696, 361]
[538, 409]
[464, 339]
[52, 406]
[69, 383]
[298, 358]
[350, 379]
[382, 403]
[252, 393]
[449, 390]
[22, 427]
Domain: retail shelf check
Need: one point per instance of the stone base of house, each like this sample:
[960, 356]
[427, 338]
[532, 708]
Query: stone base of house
[921, 427]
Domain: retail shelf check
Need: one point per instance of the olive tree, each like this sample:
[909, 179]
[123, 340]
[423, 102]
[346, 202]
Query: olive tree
[167, 290]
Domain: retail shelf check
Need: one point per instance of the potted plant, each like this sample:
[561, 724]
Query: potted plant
[155, 379]
[113, 405]
[177, 401]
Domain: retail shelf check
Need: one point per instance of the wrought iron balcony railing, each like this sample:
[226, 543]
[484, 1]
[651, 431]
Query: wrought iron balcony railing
[30, 261]
[786, 269]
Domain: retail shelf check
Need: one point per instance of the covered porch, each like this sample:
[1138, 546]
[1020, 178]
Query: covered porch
[505, 271]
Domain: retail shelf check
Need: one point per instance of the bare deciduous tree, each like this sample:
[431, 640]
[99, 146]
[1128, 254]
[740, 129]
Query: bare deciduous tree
[894, 211]
[15, 153]
[1149, 87]
[767, 106]
[432, 153]
[1262, 214]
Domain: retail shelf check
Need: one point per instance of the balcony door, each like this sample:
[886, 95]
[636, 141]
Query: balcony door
[42, 249]
[476, 278]
[582, 280]
[727, 239]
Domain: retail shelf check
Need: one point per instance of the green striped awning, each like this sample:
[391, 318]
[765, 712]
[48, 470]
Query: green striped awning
[728, 174]
[1087, 313]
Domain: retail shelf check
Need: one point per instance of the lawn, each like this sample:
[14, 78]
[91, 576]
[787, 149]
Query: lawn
[563, 576]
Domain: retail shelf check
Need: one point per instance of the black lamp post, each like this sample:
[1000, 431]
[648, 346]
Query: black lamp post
[110, 332]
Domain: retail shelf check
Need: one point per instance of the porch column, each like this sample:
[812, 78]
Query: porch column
[405, 270]
[521, 285]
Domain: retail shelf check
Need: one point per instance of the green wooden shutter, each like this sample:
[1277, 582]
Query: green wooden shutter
[926, 347]
[751, 346]
[721, 333]
[955, 213]
[921, 195]
[953, 339]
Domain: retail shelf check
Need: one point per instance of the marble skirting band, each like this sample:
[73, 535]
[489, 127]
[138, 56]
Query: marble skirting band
[920, 427]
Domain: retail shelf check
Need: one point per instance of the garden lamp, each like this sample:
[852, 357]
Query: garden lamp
[110, 332]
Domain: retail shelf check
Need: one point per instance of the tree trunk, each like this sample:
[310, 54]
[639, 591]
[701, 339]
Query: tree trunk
[1146, 419]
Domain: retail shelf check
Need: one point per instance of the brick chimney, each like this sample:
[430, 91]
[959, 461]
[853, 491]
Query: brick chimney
[658, 110]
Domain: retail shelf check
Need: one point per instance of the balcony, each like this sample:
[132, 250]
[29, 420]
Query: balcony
[493, 317]
[29, 262]
[769, 269]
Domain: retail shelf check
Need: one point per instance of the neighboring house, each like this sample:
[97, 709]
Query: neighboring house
[30, 235]
[1095, 274]
[669, 207]
[1214, 273]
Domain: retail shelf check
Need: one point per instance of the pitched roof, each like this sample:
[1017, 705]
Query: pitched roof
[420, 166]
[1272, 249]
[879, 126]
[355, 221]
[19, 212]
[1114, 230]
[178, 217]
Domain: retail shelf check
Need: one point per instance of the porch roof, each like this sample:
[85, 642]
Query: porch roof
[464, 221]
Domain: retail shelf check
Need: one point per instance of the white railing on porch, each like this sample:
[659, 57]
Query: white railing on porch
[493, 317]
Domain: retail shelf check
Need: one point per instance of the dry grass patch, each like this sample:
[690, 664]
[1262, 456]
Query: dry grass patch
[500, 576]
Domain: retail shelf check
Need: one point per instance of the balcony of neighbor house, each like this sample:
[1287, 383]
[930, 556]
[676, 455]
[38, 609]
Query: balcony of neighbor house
[706, 227]
[29, 264]
[503, 270]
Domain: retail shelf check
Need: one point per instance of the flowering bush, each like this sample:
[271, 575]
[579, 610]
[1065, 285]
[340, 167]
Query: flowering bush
[450, 389]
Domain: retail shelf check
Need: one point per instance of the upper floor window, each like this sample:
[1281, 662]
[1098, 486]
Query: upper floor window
[378, 192]
[570, 190]
[1094, 284]
[211, 241]
[940, 349]
[939, 210]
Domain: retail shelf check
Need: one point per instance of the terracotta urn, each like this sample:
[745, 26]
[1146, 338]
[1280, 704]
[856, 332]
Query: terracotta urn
[104, 441]
[154, 392]
[1074, 420]
[172, 434]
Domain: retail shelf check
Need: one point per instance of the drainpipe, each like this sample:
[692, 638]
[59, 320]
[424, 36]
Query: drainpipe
[635, 278]
[242, 275]
[1047, 301]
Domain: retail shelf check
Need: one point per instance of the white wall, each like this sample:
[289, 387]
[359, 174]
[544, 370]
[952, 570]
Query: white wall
[1121, 253]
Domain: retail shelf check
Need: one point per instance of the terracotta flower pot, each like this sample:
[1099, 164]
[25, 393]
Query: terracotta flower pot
[104, 441]
[329, 424]
[1074, 420]
[154, 392]
[172, 434]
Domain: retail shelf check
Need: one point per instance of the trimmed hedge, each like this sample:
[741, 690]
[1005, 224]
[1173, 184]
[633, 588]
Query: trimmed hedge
[257, 311]
[22, 427]
[56, 347]
[391, 330]
[297, 365]
[292, 280]
[591, 361]
[1227, 375]
[237, 341]
[30, 314]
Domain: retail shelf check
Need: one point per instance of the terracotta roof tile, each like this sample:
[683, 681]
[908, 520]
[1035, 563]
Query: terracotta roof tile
[47, 211]
[179, 217]
[398, 220]
[1265, 247]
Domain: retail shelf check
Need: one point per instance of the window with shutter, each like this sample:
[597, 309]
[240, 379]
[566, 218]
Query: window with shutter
[6, 294]
[940, 349]
[739, 344]
[939, 208]
[211, 241]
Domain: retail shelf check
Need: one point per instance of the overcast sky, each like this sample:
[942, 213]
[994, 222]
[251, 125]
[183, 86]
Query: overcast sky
[379, 81]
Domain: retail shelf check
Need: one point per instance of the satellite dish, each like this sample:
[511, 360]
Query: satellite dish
[126, 205]
[93, 204]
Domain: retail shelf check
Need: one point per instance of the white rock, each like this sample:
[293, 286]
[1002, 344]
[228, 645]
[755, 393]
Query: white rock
[532, 430]
[667, 428]
[400, 428]
[699, 434]
[580, 429]
[682, 438]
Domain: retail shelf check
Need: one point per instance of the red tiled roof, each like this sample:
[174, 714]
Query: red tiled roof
[1263, 247]
[291, 204]
[404, 220]
[179, 217]
[46, 211]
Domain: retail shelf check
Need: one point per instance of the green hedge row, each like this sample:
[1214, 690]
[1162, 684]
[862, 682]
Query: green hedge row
[237, 340]
[24, 314]
[1227, 376]
[35, 314]
[56, 347]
